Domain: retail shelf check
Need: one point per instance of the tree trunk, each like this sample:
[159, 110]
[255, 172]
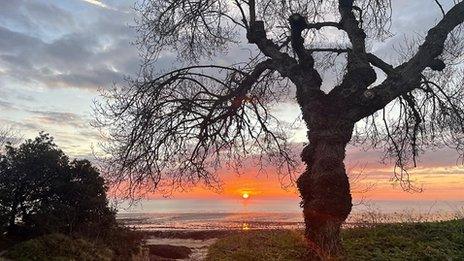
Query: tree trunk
[324, 186]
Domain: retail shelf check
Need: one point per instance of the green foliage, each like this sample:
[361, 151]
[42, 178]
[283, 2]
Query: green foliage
[124, 242]
[418, 241]
[42, 192]
[81, 207]
[58, 247]
[28, 176]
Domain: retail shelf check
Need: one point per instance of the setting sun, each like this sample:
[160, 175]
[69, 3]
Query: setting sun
[232, 129]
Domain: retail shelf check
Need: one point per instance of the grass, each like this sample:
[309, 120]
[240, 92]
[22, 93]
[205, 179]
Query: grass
[57, 247]
[404, 241]
[259, 245]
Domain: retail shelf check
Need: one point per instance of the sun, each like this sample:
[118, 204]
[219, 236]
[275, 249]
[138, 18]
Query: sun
[245, 195]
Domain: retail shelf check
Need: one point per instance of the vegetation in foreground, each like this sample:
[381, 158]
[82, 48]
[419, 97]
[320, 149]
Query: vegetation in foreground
[404, 241]
[52, 208]
[59, 247]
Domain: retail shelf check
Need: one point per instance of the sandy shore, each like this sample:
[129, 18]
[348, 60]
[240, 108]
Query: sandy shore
[199, 247]
[196, 240]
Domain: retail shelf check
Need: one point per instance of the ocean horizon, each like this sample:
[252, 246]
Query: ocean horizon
[225, 214]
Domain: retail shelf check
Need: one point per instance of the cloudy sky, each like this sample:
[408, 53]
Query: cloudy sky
[56, 54]
[54, 57]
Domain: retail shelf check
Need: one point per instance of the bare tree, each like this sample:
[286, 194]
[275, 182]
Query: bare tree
[8, 135]
[167, 130]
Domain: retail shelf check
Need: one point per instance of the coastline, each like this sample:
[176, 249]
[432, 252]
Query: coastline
[195, 232]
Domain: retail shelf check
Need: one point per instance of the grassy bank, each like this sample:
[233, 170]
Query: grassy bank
[418, 241]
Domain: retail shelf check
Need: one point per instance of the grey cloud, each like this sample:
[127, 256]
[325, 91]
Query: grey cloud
[34, 15]
[6, 105]
[358, 157]
[411, 19]
[47, 15]
[15, 43]
[101, 77]
[3, 92]
[72, 48]
[99, 54]
[24, 97]
[60, 118]
[7, 93]
[22, 126]
[92, 56]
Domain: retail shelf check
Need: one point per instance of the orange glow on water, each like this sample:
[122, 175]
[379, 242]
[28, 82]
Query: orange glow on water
[245, 226]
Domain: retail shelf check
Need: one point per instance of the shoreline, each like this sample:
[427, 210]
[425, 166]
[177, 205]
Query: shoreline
[198, 242]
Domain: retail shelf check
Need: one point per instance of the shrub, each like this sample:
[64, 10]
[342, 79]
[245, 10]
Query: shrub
[59, 247]
[42, 192]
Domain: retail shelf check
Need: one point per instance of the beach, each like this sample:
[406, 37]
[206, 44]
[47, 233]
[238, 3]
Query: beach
[199, 229]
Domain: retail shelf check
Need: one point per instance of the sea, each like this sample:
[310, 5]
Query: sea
[210, 214]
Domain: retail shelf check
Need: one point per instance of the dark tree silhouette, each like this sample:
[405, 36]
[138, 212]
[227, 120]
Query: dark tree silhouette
[42, 192]
[171, 129]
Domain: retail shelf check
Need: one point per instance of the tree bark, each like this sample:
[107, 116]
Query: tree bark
[324, 186]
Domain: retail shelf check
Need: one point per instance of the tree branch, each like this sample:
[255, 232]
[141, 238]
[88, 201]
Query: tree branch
[359, 73]
[434, 42]
[303, 77]
[379, 63]
[298, 24]
[330, 50]
[441, 7]
[350, 25]
[406, 77]
[318, 26]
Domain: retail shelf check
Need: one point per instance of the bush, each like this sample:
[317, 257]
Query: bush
[42, 192]
[406, 241]
[124, 242]
[58, 247]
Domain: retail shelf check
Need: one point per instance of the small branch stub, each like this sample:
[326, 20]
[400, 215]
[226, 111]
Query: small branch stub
[369, 94]
[297, 22]
[437, 65]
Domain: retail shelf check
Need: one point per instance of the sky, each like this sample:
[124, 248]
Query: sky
[56, 55]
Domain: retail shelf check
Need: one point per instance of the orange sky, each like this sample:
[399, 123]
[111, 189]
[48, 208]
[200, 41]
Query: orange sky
[54, 87]
[439, 174]
[437, 183]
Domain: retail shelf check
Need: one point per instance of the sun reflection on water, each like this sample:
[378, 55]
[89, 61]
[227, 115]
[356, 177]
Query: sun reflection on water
[246, 226]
